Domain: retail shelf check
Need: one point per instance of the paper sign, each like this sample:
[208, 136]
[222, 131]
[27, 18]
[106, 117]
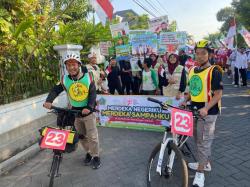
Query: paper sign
[55, 139]
[181, 122]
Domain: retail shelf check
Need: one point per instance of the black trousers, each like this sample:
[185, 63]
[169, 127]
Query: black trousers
[126, 83]
[113, 87]
[136, 83]
[243, 74]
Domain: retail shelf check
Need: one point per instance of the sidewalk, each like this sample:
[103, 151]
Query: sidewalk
[124, 154]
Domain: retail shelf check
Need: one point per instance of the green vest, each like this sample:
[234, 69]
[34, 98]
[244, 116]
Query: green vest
[78, 91]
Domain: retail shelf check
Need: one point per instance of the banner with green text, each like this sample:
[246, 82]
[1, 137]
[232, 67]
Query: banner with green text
[134, 111]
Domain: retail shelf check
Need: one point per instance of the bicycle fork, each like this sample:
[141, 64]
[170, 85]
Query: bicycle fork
[57, 155]
[170, 162]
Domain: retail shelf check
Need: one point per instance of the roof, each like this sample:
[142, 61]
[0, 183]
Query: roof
[124, 13]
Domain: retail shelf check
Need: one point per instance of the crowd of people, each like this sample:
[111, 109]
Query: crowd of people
[198, 82]
[159, 71]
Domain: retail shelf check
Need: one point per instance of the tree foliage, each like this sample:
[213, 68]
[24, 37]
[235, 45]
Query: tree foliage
[27, 37]
[240, 10]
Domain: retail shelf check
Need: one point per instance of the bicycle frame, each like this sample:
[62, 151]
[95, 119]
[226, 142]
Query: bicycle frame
[165, 142]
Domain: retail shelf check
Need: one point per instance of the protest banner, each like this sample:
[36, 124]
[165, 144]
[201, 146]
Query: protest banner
[134, 111]
[104, 47]
[119, 30]
[169, 41]
[158, 24]
[143, 43]
[133, 63]
[122, 50]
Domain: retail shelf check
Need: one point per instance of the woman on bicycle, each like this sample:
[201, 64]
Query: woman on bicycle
[81, 93]
[205, 92]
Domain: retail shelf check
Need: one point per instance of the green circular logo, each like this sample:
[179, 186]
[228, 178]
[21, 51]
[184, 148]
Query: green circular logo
[195, 85]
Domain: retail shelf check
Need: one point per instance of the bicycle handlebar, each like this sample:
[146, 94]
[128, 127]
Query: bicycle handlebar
[164, 105]
[195, 111]
[75, 112]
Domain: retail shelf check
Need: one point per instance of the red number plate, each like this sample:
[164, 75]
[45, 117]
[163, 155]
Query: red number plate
[55, 139]
[181, 122]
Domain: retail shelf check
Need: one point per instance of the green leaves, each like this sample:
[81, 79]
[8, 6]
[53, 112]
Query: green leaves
[25, 24]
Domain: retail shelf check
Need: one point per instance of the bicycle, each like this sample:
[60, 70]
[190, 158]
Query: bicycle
[71, 139]
[169, 169]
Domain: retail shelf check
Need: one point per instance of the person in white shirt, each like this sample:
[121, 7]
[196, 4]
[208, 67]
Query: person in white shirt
[231, 62]
[240, 67]
[95, 70]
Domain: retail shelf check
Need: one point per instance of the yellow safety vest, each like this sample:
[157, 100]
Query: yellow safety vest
[200, 84]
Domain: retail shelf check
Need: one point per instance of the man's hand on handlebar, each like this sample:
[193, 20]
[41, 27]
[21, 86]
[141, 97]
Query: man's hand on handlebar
[203, 112]
[47, 105]
[85, 111]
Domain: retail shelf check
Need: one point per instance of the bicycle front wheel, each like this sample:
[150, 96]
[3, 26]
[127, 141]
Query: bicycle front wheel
[177, 176]
[54, 166]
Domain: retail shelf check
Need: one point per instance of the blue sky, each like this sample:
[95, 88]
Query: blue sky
[197, 17]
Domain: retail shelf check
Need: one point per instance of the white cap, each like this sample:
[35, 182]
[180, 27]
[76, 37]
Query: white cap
[91, 55]
[71, 56]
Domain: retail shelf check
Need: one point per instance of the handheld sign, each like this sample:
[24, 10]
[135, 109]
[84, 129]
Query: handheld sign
[181, 122]
[55, 139]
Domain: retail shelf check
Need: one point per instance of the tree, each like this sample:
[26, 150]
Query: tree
[27, 37]
[213, 37]
[173, 26]
[242, 9]
[225, 15]
[137, 22]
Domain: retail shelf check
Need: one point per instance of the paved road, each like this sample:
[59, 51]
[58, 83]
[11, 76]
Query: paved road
[125, 153]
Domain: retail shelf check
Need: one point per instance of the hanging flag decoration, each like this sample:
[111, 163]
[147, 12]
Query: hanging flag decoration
[229, 40]
[103, 8]
[232, 29]
[245, 34]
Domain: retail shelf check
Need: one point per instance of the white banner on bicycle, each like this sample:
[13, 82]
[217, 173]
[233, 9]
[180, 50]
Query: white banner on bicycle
[134, 111]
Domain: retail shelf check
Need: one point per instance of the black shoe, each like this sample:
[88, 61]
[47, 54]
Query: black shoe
[87, 159]
[96, 162]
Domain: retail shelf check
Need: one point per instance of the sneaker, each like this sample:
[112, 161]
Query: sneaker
[87, 159]
[194, 166]
[233, 83]
[236, 86]
[96, 162]
[199, 180]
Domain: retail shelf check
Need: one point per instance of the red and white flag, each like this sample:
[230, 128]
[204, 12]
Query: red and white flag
[108, 70]
[246, 35]
[229, 42]
[103, 8]
[232, 29]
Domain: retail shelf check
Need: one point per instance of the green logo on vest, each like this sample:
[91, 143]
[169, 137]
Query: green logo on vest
[195, 85]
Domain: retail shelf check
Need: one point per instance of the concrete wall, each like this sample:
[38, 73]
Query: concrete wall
[20, 121]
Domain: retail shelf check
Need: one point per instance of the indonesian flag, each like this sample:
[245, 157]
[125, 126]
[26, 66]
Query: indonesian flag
[230, 43]
[108, 70]
[103, 8]
[232, 30]
[246, 35]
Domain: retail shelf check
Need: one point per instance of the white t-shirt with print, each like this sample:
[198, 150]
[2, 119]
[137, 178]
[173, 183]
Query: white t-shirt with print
[147, 81]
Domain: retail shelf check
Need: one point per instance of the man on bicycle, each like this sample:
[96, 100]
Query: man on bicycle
[81, 93]
[205, 92]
